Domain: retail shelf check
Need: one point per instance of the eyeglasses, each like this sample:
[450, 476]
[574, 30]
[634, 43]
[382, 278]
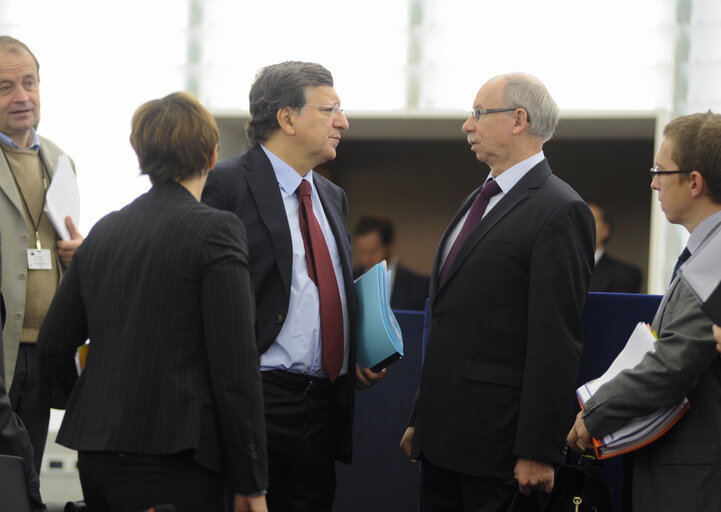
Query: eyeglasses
[331, 110]
[656, 172]
[478, 112]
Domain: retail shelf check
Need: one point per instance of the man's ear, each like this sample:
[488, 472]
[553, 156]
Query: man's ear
[286, 120]
[520, 120]
[698, 184]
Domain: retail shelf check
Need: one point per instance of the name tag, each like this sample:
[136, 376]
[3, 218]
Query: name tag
[40, 259]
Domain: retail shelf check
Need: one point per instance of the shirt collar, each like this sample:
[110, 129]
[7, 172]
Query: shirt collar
[34, 145]
[702, 231]
[287, 177]
[508, 178]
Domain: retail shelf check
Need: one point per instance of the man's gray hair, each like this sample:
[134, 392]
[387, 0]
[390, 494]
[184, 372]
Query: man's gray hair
[528, 92]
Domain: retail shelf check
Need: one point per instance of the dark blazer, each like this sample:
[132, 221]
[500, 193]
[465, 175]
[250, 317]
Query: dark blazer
[14, 438]
[505, 337]
[612, 275]
[162, 290]
[410, 289]
[246, 185]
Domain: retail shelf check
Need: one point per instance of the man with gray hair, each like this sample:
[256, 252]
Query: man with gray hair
[507, 290]
[300, 265]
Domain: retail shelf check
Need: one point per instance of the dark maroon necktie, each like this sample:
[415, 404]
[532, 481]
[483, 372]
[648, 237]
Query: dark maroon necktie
[320, 270]
[475, 215]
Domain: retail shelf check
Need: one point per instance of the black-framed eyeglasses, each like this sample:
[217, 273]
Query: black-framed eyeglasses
[332, 110]
[478, 112]
[655, 171]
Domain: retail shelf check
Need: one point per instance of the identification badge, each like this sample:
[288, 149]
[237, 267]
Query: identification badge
[40, 259]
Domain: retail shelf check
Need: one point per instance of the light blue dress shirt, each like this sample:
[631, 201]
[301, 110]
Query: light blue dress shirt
[298, 345]
[35, 144]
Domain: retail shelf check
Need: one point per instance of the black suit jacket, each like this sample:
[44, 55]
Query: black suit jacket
[246, 185]
[505, 337]
[14, 438]
[410, 290]
[612, 275]
[162, 290]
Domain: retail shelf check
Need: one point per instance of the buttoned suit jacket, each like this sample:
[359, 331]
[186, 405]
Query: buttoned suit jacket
[505, 337]
[247, 186]
[162, 290]
[14, 229]
[682, 469]
[612, 275]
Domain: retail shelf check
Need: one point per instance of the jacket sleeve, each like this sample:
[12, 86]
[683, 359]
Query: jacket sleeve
[684, 351]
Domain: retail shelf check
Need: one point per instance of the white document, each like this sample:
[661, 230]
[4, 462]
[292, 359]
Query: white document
[63, 197]
[638, 345]
[640, 431]
[702, 271]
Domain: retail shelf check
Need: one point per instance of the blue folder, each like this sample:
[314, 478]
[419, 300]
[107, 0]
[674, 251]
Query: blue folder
[380, 341]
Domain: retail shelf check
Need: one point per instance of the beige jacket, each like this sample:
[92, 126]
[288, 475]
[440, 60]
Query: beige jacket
[15, 237]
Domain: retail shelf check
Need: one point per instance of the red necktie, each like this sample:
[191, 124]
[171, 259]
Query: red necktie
[475, 215]
[320, 270]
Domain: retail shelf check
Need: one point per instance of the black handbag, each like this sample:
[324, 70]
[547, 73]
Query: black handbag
[580, 488]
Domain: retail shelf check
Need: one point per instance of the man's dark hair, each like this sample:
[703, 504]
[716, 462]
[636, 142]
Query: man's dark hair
[376, 224]
[277, 86]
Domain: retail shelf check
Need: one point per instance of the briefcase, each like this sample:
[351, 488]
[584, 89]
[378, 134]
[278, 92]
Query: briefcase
[580, 488]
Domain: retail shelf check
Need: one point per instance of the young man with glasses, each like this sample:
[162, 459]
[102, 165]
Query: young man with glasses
[305, 300]
[680, 470]
[507, 291]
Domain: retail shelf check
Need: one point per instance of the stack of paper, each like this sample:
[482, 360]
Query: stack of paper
[380, 341]
[640, 431]
[63, 197]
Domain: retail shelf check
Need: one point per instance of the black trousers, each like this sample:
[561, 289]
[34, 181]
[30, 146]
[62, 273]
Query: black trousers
[302, 426]
[31, 401]
[124, 482]
[448, 491]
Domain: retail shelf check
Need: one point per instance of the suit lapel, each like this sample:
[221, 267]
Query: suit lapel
[436, 270]
[264, 187]
[531, 181]
[7, 185]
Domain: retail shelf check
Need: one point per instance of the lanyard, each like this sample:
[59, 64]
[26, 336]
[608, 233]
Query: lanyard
[44, 171]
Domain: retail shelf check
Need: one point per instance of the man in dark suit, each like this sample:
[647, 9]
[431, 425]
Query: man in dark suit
[296, 124]
[505, 337]
[170, 399]
[610, 274]
[374, 241]
[14, 438]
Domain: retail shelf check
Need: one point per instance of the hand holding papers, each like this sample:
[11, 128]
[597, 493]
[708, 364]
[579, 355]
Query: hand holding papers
[380, 341]
[63, 197]
[640, 431]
